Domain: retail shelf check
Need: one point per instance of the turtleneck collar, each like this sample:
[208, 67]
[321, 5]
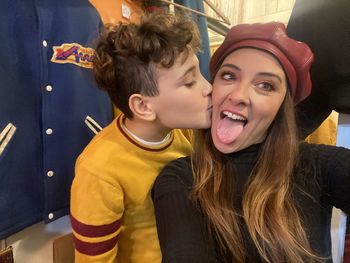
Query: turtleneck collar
[247, 155]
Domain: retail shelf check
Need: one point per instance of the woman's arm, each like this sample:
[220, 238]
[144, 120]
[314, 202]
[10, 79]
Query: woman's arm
[339, 179]
[331, 166]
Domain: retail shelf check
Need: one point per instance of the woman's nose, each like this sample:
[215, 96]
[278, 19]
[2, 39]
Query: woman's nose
[240, 94]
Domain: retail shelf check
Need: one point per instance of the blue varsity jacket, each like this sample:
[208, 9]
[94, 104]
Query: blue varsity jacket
[50, 107]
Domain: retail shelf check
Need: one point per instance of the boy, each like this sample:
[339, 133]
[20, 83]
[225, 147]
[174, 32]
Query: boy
[152, 75]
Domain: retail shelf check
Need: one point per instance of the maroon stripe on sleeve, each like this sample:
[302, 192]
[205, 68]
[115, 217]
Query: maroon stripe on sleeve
[94, 249]
[94, 231]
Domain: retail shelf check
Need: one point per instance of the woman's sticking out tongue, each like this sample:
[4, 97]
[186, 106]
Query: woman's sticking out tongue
[228, 129]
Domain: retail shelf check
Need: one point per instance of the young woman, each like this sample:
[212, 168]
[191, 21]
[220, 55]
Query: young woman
[251, 192]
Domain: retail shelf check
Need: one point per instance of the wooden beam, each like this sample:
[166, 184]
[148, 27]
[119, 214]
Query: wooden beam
[194, 11]
[218, 11]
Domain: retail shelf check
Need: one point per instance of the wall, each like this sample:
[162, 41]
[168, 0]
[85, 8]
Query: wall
[267, 10]
[252, 11]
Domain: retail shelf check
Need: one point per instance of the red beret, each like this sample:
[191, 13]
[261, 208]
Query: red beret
[294, 56]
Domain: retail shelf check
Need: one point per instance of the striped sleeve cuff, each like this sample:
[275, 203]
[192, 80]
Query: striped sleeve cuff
[87, 238]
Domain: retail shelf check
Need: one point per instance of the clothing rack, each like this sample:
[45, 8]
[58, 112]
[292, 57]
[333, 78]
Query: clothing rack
[223, 19]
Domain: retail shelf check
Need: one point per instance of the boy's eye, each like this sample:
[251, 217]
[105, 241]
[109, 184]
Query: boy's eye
[266, 86]
[190, 84]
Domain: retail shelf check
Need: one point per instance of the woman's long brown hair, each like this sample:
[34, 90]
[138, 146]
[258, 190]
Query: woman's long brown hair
[269, 211]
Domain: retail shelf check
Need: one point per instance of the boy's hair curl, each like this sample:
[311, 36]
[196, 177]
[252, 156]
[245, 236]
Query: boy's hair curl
[127, 55]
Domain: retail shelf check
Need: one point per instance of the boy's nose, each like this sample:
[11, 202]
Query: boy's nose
[207, 88]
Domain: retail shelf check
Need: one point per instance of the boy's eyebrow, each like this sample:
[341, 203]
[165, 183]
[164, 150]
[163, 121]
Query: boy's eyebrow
[269, 74]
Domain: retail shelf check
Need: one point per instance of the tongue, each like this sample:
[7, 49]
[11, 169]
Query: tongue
[228, 130]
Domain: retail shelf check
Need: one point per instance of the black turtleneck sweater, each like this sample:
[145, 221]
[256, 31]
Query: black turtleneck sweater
[323, 173]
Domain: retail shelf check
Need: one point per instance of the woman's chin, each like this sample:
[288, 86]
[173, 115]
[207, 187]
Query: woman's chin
[225, 147]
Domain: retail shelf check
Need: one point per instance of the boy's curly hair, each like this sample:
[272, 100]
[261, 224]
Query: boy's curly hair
[127, 55]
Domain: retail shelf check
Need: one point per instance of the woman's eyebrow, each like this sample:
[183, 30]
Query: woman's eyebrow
[230, 66]
[270, 74]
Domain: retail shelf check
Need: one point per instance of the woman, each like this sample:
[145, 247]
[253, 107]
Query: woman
[251, 192]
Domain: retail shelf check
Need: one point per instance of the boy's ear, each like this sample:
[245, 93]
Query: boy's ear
[141, 108]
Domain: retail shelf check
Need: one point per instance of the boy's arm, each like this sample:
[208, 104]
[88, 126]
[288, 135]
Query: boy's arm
[96, 210]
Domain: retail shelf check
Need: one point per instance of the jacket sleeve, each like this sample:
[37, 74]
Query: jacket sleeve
[96, 210]
[182, 232]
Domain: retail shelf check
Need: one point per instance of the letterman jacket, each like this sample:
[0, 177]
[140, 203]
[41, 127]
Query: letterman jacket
[47, 94]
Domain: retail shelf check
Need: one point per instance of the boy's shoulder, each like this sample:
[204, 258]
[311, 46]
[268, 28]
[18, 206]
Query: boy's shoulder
[188, 133]
[103, 143]
[185, 134]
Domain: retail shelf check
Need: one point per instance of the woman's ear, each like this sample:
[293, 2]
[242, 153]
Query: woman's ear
[141, 107]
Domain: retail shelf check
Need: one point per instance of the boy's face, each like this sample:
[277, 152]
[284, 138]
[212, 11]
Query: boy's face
[184, 99]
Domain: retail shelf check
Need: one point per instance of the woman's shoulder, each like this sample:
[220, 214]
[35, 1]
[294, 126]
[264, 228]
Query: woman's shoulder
[179, 169]
[179, 164]
[176, 176]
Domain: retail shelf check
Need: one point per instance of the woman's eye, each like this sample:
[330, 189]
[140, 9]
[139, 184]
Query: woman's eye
[228, 76]
[266, 86]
